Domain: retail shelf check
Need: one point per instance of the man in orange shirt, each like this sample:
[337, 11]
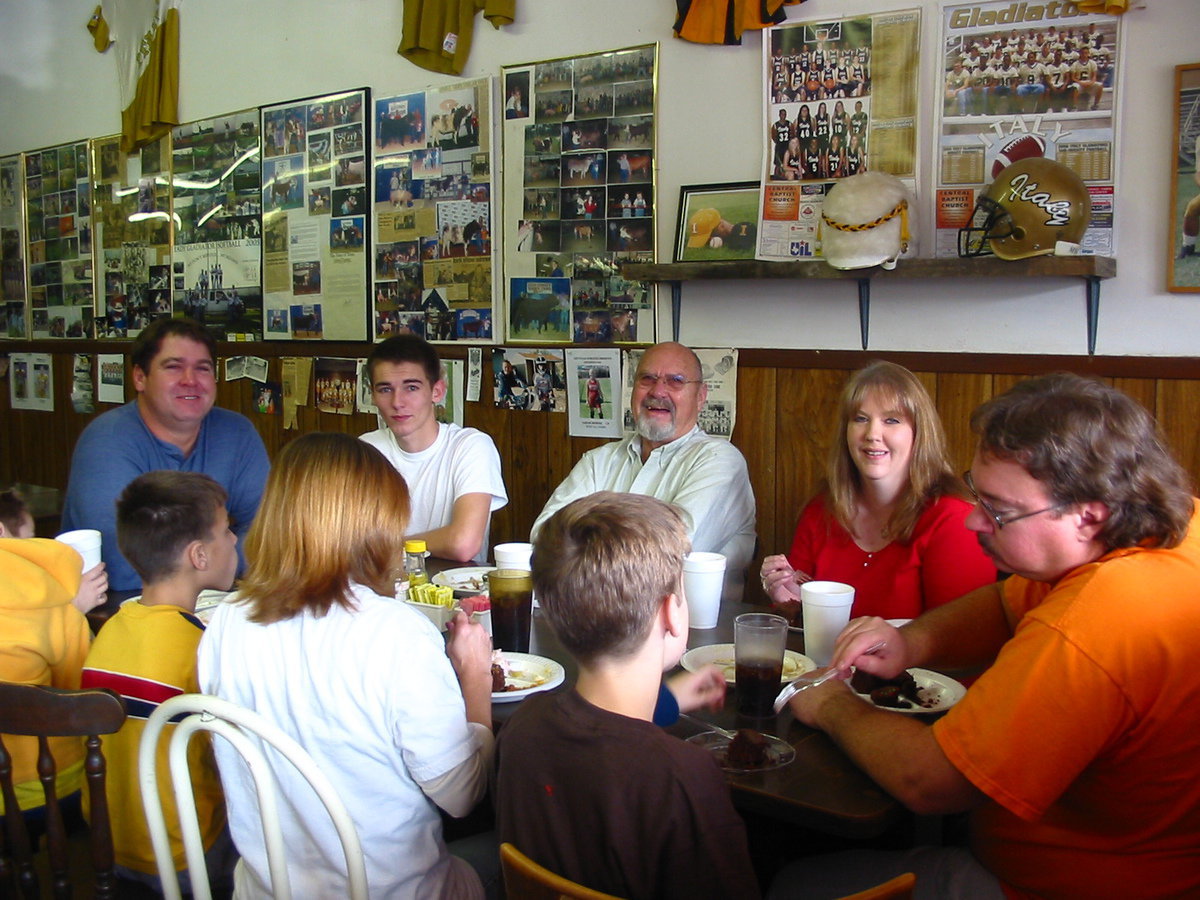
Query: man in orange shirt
[1078, 750]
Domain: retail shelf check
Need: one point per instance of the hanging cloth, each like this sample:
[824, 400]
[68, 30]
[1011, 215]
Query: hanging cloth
[437, 33]
[146, 34]
[724, 21]
[1111, 7]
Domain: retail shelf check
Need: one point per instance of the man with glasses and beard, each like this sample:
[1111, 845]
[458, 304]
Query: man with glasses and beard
[670, 458]
[1077, 751]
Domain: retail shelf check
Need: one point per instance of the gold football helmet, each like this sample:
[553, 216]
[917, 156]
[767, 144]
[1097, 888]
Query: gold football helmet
[1031, 206]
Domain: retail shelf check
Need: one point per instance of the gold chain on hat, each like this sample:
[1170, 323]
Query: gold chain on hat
[900, 209]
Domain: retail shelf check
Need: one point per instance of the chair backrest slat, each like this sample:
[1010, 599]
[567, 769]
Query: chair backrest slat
[45, 712]
[248, 733]
[525, 879]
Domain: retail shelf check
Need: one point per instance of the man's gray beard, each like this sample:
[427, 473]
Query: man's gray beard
[654, 431]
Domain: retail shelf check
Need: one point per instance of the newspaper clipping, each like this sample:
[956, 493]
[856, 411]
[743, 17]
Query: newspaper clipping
[593, 392]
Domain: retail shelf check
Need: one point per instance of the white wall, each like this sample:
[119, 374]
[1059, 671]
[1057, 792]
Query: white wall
[241, 53]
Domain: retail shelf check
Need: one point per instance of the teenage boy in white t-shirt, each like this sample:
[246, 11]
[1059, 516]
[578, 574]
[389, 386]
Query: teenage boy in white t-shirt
[453, 473]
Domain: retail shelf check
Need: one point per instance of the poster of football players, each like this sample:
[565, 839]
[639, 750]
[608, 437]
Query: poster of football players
[840, 99]
[1024, 82]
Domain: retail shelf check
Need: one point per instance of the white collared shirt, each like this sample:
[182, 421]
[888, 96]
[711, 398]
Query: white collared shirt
[705, 477]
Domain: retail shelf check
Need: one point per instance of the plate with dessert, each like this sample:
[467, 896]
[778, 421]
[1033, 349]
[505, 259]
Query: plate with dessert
[915, 692]
[517, 675]
[470, 579]
[747, 752]
[794, 664]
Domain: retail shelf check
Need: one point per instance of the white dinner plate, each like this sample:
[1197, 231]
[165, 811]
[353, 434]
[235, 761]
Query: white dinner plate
[939, 691]
[794, 664]
[532, 674]
[468, 579]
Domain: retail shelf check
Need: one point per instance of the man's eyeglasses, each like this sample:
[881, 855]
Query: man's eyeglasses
[1001, 520]
[673, 383]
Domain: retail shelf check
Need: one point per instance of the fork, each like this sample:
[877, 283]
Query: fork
[815, 677]
[805, 681]
[709, 726]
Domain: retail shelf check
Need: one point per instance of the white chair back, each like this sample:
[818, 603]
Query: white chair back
[245, 730]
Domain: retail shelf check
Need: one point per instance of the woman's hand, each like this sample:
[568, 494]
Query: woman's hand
[470, 652]
[93, 589]
[469, 647]
[780, 581]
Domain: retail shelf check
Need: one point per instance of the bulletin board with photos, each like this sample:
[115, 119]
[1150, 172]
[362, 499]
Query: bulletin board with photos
[132, 221]
[580, 185]
[216, 262]
[58, 241]
[13, 309]
[434, 214]
[316, 189]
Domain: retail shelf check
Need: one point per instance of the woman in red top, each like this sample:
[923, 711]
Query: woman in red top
[890, 520]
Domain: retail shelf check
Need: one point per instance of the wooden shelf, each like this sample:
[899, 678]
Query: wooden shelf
[1090, 268]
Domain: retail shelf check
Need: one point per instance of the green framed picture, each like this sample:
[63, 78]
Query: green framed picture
[1183, 262]
[717, 222]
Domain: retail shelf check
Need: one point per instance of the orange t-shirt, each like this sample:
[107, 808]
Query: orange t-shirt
[723, 21]
[1085, 733]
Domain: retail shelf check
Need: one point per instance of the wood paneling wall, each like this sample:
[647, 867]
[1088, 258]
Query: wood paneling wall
[786, 402]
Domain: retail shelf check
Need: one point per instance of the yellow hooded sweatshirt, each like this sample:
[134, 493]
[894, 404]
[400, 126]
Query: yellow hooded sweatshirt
[43, 640]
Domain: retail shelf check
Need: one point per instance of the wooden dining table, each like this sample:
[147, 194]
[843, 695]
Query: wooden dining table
[821, 789]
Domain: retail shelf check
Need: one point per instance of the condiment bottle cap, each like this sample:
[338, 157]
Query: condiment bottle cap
[414, 546]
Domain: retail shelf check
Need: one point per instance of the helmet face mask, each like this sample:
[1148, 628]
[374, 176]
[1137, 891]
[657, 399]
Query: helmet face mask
[1031, 206]
[989, 220]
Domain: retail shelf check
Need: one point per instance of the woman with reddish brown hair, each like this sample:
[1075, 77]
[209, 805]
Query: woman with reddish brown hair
[890, 519]
[398, 719]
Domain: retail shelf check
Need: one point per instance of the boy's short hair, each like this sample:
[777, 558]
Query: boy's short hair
[159, 514]
[13, 511]
[410, 348]
[601, 568]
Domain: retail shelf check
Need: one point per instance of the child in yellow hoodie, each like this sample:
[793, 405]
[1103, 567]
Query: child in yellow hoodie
[16, 521]
[43, 640]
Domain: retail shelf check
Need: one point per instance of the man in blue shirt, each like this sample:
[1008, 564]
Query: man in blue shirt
[171, 425]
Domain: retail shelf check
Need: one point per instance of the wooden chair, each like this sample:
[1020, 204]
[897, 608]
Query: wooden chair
[45, 712]
[247, 732]
[898, 888]
[526, 880]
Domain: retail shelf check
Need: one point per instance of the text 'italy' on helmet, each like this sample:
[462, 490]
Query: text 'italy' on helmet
[864, 221]
[1031, 206]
